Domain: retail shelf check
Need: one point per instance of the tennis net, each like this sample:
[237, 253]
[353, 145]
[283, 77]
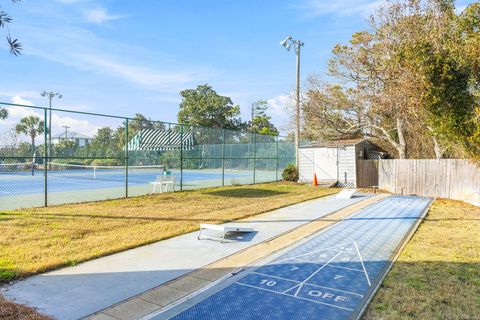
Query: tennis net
[17, 168]
[102, 172]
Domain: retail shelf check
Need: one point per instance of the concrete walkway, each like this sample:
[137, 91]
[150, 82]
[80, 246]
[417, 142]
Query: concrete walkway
[76, 292]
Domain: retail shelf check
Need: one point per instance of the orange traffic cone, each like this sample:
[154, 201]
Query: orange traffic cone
[315, 181]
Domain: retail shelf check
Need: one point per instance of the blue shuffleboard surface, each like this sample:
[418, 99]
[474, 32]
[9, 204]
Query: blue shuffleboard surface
[328, 276]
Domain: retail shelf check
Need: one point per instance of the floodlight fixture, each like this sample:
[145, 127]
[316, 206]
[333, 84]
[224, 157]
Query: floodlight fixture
[50, 95]
[287, 43]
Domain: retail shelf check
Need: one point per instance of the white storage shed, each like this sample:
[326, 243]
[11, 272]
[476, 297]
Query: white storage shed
[335, 162]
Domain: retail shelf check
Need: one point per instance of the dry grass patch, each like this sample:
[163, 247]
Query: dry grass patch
[437, 276]
[37, 240]
[13, 311]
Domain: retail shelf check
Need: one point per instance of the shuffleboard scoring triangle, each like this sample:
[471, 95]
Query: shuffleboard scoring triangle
[332, 254]
[337, 248]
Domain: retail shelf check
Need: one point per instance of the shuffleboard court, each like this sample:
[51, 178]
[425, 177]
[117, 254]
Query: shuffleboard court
[330, 275]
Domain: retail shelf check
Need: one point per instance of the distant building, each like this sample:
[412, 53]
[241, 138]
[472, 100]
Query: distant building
[80, 139]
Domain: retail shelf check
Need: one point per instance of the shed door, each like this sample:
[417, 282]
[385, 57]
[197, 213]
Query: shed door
[326, 163]
[346, 167]
[306, 164]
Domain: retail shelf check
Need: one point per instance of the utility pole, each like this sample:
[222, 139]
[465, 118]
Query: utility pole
[297, 109]
[287, 43]
[252, 106]
[66, 131]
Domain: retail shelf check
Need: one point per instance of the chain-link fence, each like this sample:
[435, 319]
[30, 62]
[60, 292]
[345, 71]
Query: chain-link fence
[91, 157]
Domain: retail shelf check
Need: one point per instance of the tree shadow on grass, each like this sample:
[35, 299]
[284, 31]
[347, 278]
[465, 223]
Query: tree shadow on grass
[246, 193]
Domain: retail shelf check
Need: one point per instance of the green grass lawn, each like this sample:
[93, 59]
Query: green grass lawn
[437, 276]
[41, 239]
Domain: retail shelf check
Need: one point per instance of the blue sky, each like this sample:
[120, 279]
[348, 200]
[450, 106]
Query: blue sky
[124, 57]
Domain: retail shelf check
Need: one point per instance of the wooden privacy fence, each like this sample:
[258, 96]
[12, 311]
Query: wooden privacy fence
[444, 178]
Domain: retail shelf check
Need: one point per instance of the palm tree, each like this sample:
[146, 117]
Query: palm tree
[32, 126]
[5, 20]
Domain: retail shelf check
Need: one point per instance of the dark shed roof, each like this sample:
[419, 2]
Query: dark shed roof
[334, 143]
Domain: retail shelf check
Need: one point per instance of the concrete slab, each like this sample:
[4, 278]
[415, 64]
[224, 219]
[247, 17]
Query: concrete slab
[212, 274]
[102, 316]
[189, 283]
[79, 291]
[132, 309]
[162, 296]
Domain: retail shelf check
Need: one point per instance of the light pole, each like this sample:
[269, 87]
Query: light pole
[50, 96]
[297, 44]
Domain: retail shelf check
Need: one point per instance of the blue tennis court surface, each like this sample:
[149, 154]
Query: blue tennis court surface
[25, 183]
[328, 276]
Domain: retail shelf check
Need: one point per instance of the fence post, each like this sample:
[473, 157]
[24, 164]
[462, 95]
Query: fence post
[223, 157]
[276, 161]
[181, 157]
[254, 154]
[126, 158]
[45, 156]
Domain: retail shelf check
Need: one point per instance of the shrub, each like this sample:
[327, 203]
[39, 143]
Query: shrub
[290, 173]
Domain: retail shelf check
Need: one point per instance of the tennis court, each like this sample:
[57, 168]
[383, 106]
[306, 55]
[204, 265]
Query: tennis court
[86, 179]
[20, 186]
[330, 275]
[199, 157]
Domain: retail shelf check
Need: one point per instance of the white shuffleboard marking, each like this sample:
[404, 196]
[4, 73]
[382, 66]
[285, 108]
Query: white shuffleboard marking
[311, 252]
[363, 265]
[269, 275]
[330, 265]
[298, 282]
[288, 295]
[317, 271]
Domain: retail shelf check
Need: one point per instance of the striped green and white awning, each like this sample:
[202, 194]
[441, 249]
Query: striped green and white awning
[160, 140]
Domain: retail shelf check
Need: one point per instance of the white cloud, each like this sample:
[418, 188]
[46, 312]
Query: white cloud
[343, 7]
[16, 113]
[145, 77]
[281, 108]
[58, 120]
[24, 94]
[77, 125]
[83, 50]
[459, 9]
[100, 16]
[461, 5]
[20, 100]
[280, 104]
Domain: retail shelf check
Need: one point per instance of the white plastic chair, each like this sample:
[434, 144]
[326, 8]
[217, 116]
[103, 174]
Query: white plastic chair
[164, 181]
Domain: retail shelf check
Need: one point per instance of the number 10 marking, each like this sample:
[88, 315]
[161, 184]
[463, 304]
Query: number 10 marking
[268, 283]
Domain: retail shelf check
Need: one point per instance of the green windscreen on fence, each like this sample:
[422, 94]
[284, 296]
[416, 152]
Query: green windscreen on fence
[92, 157]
